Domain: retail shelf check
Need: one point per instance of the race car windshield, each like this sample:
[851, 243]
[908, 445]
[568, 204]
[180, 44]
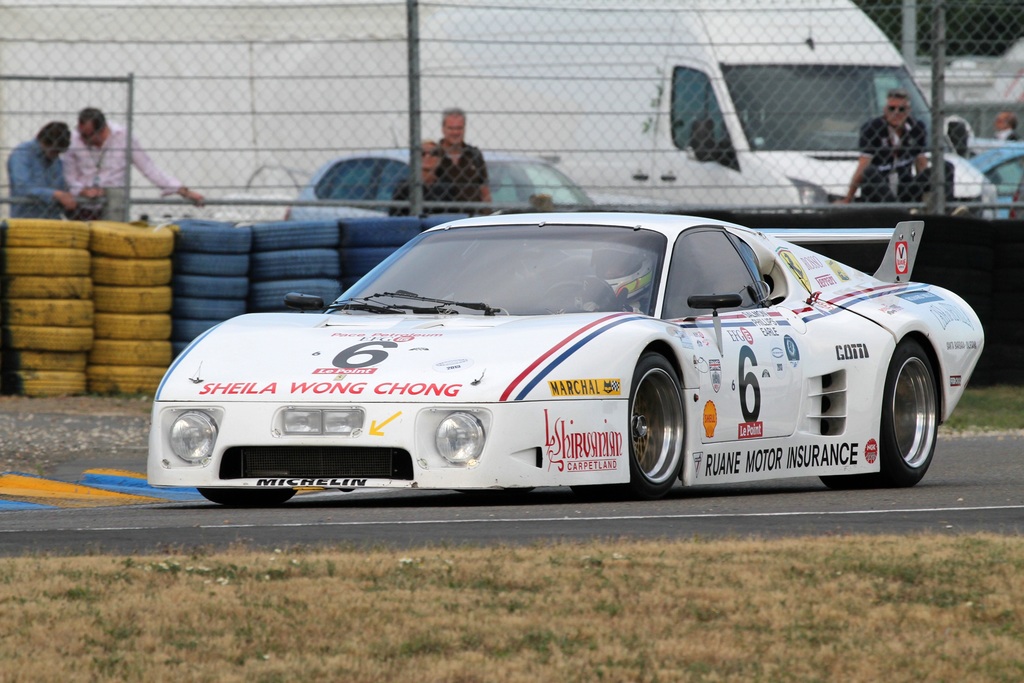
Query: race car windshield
[523, 270]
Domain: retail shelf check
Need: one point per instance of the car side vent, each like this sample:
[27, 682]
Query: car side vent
[826, 414]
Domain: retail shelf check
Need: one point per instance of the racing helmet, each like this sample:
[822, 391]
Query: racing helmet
[629, 272]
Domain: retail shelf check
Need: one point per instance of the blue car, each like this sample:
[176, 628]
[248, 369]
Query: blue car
[1004, 166]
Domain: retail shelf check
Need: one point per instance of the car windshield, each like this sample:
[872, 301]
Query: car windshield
[813, 107]
[521, 270]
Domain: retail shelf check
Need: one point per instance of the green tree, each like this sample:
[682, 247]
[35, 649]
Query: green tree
[983, 28]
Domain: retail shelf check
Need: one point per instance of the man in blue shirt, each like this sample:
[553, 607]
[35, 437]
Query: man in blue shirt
[37, 174]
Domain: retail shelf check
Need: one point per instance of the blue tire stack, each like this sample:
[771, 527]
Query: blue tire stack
[211, 277]
[300, 256]
[365, 242]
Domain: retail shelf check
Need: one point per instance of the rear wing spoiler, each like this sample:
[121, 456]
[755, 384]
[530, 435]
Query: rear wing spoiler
[898, 262]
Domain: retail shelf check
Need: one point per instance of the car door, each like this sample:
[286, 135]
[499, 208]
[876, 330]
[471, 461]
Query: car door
[749, 379]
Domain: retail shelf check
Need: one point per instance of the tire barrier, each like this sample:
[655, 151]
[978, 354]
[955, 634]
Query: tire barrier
[131, 267]
[46, 310]
[365, 242]
[299, 256]
[211, 277]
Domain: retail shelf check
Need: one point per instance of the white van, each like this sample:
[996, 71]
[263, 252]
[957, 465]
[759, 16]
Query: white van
[699, 103]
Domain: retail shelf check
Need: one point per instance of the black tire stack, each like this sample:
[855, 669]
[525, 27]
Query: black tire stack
[288, 257]
[131, 267]
[47, 308]
[211, 277]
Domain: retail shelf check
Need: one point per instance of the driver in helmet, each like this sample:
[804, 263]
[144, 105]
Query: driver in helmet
[629, 273]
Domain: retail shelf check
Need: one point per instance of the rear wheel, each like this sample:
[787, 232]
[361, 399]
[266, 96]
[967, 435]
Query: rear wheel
[910, 423]
[910, 417]
[247, 498]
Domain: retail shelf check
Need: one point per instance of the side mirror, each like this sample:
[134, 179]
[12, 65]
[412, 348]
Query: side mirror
[303, 302]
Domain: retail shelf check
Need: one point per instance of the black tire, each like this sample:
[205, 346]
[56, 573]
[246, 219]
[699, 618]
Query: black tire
[295, 235]
[910, 423]
[358, 261]
[207, 309]
[910, 416]
[294, 264]
[213, 237]
[269, 296]
[247, 498]
[198, 263]
[202, 286]
[655, 428]
[378, 232]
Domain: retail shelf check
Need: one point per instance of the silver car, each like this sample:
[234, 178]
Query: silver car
[369, 180]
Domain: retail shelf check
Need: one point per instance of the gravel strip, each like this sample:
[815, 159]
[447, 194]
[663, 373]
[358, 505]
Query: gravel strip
[37, 435]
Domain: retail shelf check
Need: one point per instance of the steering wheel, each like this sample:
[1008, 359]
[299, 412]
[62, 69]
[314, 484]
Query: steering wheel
[590, 294]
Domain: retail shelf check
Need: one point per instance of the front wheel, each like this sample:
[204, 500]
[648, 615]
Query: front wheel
[655, 428]
[248, 498]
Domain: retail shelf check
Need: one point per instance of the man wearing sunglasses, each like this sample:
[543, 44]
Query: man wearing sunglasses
[892, 165]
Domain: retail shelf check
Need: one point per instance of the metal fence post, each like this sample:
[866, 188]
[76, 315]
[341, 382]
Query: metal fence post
[129, 115]
[937, 200]
[415, 153]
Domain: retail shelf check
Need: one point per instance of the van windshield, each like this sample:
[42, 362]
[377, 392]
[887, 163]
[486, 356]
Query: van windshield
[813, 107]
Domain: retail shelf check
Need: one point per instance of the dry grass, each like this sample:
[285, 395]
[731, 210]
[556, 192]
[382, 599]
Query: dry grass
[835, 609]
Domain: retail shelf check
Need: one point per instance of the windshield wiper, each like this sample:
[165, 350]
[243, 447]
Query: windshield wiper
[442, 304]
[365, 304]
[373, 305]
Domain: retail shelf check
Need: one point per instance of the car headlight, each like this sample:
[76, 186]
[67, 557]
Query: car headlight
[338, 422]
[460, 438]
[193, 435]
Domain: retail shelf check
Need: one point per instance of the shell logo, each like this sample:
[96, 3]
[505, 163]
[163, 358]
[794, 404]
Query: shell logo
[710, 419]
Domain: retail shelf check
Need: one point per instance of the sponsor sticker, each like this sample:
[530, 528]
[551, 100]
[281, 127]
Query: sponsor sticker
[871, 451]
[453, 365]
[710, 419]
[902, 258]
[608, 386]
[751, 430]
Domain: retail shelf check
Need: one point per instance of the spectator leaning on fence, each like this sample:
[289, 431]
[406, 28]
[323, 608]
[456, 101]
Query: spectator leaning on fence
[892, 166]
[36, 174]
[462, 166]
[1005, 125]
[96, 167]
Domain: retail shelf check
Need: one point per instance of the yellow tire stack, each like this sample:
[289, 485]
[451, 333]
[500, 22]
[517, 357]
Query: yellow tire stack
[131, 273]
[46, 307]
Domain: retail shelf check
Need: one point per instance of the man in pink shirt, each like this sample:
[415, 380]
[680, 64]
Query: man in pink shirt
[95, 167]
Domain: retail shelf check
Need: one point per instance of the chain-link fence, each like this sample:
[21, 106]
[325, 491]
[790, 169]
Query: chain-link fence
[657, 104]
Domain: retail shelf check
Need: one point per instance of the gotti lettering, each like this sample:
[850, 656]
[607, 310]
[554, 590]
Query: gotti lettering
[851, 351]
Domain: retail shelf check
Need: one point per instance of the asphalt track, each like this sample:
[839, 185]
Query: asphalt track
[975, 484]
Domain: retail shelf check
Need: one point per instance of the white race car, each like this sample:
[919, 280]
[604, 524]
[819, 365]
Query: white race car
[612, 353]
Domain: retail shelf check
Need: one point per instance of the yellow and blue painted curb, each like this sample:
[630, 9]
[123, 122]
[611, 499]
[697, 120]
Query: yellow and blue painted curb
[97, 488]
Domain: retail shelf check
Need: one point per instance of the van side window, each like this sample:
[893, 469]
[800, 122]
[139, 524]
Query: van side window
[697, 122]
[706, 261]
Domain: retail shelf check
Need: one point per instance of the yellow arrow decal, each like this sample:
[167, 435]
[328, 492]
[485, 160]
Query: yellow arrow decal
[375, 429]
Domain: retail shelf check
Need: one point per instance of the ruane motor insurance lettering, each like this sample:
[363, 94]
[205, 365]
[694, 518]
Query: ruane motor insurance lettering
[585, 451]
[733, 462]
[585, 387]
[822, 455]
[383, 389]
[233, 388]
[322, 482]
